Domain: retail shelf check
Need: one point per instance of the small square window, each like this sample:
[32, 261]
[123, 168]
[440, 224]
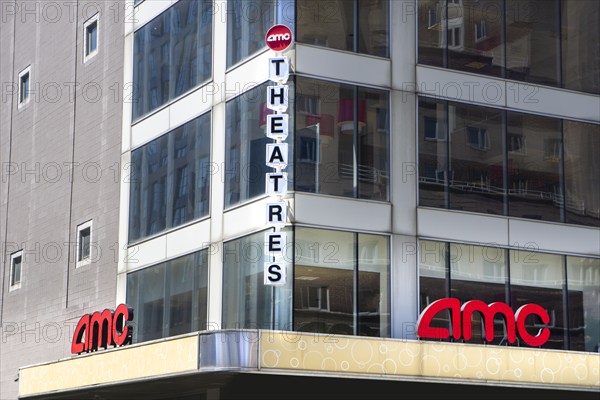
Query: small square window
[24, 86]
[16, 263]
[90, 38]
[84, 244]
[477, 138]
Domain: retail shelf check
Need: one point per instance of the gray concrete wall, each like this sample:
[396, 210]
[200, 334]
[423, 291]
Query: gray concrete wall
[71, 127]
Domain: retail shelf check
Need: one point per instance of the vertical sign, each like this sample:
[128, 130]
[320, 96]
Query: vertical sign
[278, 38]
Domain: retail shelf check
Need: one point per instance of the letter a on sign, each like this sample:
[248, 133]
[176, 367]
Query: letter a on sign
[277, 155]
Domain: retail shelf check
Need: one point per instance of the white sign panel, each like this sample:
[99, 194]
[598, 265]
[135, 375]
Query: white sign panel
[277, 155]
[279, 69]
[275, 243]
[276, 213]
[277, 98]
[277, 126]
[275, 273]
[277, 184]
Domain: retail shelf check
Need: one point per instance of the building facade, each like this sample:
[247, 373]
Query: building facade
[438, 149]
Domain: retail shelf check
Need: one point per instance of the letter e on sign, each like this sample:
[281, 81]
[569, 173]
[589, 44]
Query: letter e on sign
[279, 37]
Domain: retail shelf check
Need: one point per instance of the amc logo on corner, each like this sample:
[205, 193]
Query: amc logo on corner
[279, 37]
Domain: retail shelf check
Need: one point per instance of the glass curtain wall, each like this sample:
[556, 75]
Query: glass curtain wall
[342, 139]
[172, 54]
[508, 163]
[245, 140]
[247, 302]
[567, 287]
[170, 298]
[546, 42]
[341, 283]
[169, 181]
[350, 25]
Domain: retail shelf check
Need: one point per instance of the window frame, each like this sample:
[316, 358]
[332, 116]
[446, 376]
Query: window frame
[87, 54]
[80, 262]
[483, 139]
[24, 98]
[14, 286]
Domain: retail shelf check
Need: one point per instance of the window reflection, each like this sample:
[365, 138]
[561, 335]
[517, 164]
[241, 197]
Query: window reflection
[580, 52]
[326, 298]
[507, 163]
[247, 301]
[515, 277]
[169, 298]
[479, 273]
[245, 140]
[351, 25]
[534, 185]
[247, 23]
[433, 153]
[532, 48]
[538, 278]
[584, 303]
[339, 153]
[525, 40]
[476, 180]
[172, 54]
[582, 173]
[432, 278]
[170, 179]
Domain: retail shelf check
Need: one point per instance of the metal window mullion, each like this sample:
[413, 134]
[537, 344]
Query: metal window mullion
[356, 291]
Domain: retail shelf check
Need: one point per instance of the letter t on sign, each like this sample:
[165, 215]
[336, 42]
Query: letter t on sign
[279, 69]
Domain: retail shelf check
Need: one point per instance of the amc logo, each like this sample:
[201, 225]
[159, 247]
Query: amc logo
[102, 329]
[462, 327]
[279, 37]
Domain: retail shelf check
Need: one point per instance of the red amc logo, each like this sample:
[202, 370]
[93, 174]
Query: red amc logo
[514, 321]
[279, 37]
[102, 329]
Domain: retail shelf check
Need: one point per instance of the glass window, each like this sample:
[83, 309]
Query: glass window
[433, 283]
[532, 41]
[351, 25]
[341, 283]
[476, 179]
[247, 24]
[170, 179]
[432, 43]
[169, 298]
[24, 86]
[483, 273]
[473, 35]
[16, 262]
[479, 272]
[247, 301]
[84, 244]
[582, 173]
[245, 140]
[349, 127]
[172, 54]
[90, 37]
[534, 184]
[539, 278]
[584, 303]
[580, 52]
[433, 152]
